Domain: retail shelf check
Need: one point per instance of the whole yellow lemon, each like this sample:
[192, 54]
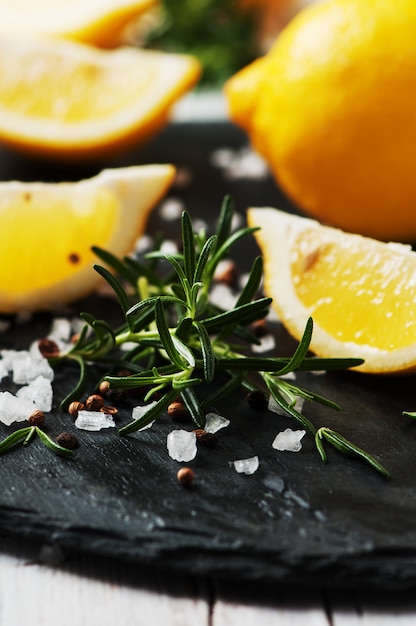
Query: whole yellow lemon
[332, 108]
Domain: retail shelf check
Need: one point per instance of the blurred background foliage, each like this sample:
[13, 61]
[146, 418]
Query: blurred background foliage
[220, 33]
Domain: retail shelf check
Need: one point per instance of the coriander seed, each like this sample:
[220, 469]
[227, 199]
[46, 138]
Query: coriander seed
[104, 387]
[177, 411]
[94, 402]
[67, 440]
[37, 418]
[185, 476]
[204, 438]
[48, 348]
[109, 410]
[74, 407]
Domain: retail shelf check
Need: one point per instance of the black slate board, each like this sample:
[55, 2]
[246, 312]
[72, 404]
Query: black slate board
[295, 520]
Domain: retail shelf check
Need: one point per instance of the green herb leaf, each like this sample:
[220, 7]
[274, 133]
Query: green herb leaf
[52, 445]
[188, 245]
[153, 413]
[14, 438]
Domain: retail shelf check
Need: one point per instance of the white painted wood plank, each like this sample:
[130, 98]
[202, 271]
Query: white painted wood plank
[48, 596]
[373, 608]
[232, 614]
[254, 605]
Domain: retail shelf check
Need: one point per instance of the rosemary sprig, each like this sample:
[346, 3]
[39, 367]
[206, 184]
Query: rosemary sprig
[182, 341]
[25, 435]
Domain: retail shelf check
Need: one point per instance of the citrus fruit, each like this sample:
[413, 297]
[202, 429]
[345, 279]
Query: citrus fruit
[360, 292]
[270, 16]
[98, 22]
[331, 108]
[48, 229]
[70, 100]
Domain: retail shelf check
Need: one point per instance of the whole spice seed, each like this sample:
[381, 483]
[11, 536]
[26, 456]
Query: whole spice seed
[204, 438]
[259, 328]
[104, 387]
[48, 348]
[37, 418]
[74, 407]
[67, 440]
[185, 476]
[94, 402]
[178, 411]
[110, 410]
[257, 400]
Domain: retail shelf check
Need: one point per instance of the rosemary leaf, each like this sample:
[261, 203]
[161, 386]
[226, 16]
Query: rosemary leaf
[14, 438]
[52, 445]
[153, 413]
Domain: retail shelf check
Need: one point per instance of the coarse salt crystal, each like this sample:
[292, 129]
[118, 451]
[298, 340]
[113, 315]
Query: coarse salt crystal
[27, 365]
[247, 466]
[276, 408]
[60, 332]
[171, 209]
[139, 411]
[266, 344]
[223, 296]
[3, 371]
[38, 391]
[214, 422]
[289, 440]
[13, 409]
[181, 445]
[94, 420]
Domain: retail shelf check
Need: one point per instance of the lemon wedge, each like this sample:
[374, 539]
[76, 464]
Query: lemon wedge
[359, 291]
[48, 230]
[70, 100]
[99, 22]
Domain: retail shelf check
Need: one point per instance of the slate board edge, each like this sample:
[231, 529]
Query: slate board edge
[172, 550]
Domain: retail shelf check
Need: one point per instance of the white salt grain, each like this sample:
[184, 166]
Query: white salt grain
[144, 243]
[275, 408]
[94, 420]
[266, 344]
[169, 247]
[8, 357]
[247, 466]
[171, 209]
[27, 365]
[243, 163]
[139, 411]
[61, 330]
[289, 440]
[182, 445]
[3, 371]
[214, 422]
[223, 296]
[13, 409]
[39, 391]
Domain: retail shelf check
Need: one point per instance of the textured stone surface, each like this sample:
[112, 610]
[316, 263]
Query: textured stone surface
[294, 520]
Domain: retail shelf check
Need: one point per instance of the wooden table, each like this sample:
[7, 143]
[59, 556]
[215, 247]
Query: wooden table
[38, 586]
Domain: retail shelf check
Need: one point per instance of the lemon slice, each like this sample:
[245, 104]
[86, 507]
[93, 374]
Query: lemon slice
[47, 231]
[71, 100]
[360, 292]
[98, 22]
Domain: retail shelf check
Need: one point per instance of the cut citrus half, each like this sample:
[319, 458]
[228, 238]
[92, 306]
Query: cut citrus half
[47, 231]
[71, 100]
[360, 292]
[99, 22]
